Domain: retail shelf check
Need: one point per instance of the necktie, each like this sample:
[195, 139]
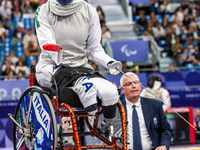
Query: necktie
[136, 131]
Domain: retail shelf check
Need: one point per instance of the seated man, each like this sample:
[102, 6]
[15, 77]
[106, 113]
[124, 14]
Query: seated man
[69, 32]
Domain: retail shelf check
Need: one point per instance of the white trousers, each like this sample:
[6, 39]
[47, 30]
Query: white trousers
[87, 88]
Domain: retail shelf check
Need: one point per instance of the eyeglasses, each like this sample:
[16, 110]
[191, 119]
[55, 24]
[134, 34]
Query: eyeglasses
[128, 84]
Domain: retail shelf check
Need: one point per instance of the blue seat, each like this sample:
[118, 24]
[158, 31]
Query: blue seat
[198, 67]
[159, 18]
[189, 67]
[27, 23]
[163, 43]
[16, 21]
[9, 32]
[19, 49]
[168, 16]
[147, 17]
[136, 17]
[7, 47]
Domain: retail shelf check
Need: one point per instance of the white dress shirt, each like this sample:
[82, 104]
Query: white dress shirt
[145, 138]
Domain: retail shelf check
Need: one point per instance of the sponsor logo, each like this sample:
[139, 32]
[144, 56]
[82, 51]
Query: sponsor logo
[128, 52]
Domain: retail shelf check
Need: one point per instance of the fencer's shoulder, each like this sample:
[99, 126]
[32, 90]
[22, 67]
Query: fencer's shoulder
[42, 8]
[89, 6]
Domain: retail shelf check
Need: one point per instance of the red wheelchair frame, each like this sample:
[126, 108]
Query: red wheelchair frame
[93, 129]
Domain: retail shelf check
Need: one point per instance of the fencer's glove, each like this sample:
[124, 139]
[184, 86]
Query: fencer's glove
[112, 65]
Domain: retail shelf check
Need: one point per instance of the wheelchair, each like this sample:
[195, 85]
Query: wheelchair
[37, 122]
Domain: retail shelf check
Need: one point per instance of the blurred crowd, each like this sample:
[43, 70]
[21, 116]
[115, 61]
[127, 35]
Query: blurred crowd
[14, 60]
[175, 31]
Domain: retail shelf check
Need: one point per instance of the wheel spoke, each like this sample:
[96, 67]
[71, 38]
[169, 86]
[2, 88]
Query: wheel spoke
[36, 118]
[29, 109]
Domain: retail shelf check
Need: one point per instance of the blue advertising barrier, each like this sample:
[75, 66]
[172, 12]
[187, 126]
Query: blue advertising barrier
[12, 89]
[179, 84]
[135, 2]
[6, 124]
[136, 50]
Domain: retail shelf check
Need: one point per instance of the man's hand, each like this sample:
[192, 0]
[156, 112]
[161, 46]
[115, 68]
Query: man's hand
[112, 67]
[161, 148]
[66, 122]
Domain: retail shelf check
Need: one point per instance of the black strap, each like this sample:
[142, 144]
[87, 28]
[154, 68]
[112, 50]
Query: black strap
[66, 76]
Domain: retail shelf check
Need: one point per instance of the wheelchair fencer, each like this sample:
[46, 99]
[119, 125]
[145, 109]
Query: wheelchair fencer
[37, 124]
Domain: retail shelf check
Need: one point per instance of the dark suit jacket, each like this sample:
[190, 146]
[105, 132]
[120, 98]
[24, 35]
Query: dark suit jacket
[159, 129]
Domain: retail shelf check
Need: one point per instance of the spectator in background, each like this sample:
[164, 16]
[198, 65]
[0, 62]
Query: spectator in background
[186, 21]
[177, 47]
[26, 7]
[175, 17]
[171, 67]
[190, 31]
[6, 9]
[196, 54]
[183, 35]
[191, 11]
[33, 62]
[197, 123]
[10, 76]
[106, 35]
[196, 22]
[8, 24]
[155, 6]
[23, 68]
[190, 44]
[148, 29]
[165, 23]
[16, 9]
[3, 33]
[185, 57]
[165, 8]
[149, 34]
[18, 34]
[8, 60]
[158, 31]
[152, 19]
[13, 58]
[195, 33]
[180, 14]
[100, 11]
[30, 43]
[141, 21]
[102, 19]
[7, 68]
[171, 37]
[184, 4]
[21, 75]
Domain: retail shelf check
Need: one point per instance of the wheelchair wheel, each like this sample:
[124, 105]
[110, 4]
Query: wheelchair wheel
[36, 116]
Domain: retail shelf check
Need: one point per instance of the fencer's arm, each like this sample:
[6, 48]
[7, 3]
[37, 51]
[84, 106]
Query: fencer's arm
[94, 47]
[166, 98]
[46, 36]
